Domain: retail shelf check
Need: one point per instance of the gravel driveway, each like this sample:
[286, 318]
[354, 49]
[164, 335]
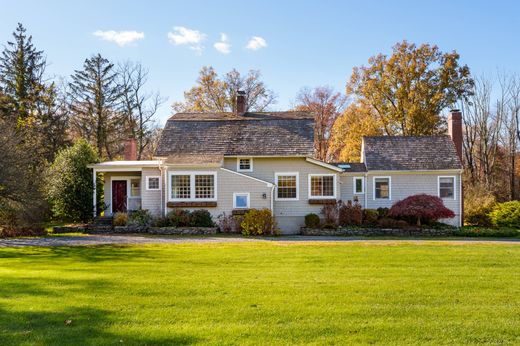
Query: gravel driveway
[86, 240]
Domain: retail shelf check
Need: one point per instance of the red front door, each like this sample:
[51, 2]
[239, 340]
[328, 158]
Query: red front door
[119, 196]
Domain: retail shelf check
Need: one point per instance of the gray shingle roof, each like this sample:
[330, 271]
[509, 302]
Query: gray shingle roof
[395, 153]
[266, 133]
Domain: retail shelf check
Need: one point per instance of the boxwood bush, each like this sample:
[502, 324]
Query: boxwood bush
[312, 220]
[506, 214]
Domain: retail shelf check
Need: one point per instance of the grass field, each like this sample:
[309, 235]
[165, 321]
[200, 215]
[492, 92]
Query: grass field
[261, 293]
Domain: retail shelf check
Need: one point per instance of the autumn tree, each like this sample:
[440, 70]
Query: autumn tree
[409, 89]
[96, 105]
[326, 105]
[139, 106]
[357, 120]
[214, 93]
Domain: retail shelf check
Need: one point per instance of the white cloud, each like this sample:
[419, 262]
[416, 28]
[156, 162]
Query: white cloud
[223, 46]
[256, 42]
[184, 36]
[121, 38]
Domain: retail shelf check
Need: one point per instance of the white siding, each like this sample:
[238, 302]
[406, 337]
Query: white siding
[347, 189]
[407, 184]
[151, 199]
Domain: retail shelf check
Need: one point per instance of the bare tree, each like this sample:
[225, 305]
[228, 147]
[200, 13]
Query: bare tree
[326, 105]
[140, 106]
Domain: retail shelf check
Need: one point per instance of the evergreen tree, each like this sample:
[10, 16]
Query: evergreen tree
[95, 101]
[21, 71]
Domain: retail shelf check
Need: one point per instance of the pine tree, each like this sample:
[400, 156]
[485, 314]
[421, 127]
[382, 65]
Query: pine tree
[96, 105]
[21, 71]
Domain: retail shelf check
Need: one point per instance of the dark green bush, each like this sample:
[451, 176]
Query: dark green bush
[179, 218]
[486, 232]
[161, 221]
[370, 217]
[140, 217]
[382, 212]
[506, 214]
[387, 223]
[312, 220]
[201, 218]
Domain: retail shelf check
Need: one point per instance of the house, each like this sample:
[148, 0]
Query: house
[231, 162]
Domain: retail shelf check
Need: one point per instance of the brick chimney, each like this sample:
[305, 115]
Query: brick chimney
[130, 149]
[455, 130]
[240, 107]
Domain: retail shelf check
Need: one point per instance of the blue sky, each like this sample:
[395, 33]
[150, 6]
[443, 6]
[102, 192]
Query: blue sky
[307, 43]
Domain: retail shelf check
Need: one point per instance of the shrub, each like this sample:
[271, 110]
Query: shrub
[10, 232]
[478, 204]
[312, 220]
[486, 232]
[259, 222]
[201, 218]
[161, 221]
[179, 218]
[140, 217]
[387, 222]
[120, 219]
[506, 214]
[382, 212]
[69, 183]
[330, 214]
[370, 216]
[350, 214]
[421, 208]
[229, 223]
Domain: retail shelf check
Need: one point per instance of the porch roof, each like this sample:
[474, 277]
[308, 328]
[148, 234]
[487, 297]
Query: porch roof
[120, 166]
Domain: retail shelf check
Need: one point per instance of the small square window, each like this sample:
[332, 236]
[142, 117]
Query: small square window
[135, 187]
[153, 183]
[245, 164]
[241, 200]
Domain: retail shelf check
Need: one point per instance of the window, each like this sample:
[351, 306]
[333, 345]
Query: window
[322, 186]
[287, 186]
[153, 183]
[382, 188]
[181, 187]
[447, 187]
[135, 187]
[192, 186]
[244, 164]
[359, 185]
[241, 200]
[204, 186]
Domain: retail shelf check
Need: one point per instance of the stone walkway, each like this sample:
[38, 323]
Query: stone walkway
[86, 240]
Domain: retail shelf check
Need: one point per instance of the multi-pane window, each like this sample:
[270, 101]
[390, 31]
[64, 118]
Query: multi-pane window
[192, 186]
[287, 186]
[359, 185]
[245, 164]
[447, 187]
[322, 186]
[382, 188]
[181, 186]
[204, 186]
[153, 183]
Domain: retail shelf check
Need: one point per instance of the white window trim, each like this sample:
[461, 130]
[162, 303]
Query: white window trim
[192, 175]
[322, 175]
[235, 194]
[362, 185]
[389, 188]
[148, 182]
[276, 175]
[250, 166]
[454, 187]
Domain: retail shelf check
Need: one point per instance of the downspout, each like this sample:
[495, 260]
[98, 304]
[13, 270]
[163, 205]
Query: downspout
[94, 191]
[461, 201]
[366, 190]
[162, 168]
[272, 199]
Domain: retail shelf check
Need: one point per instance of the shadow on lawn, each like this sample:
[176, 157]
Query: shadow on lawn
[73, 326]
[94, 253]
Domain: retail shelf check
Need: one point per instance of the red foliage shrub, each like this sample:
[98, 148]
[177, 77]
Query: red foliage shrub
[350, 214]
[11, 232]
[421, 208]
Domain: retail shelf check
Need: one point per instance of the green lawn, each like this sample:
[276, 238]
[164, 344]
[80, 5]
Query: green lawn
[261, 293]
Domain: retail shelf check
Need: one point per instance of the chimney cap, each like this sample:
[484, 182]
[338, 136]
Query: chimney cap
[241, 92]
[454, 110]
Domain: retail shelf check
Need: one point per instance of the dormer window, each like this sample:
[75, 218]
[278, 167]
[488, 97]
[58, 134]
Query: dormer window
[244, 164]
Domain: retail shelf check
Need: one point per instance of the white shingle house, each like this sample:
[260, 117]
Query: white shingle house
[226, 162]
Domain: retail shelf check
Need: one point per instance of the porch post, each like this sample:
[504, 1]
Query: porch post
[94, 174]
